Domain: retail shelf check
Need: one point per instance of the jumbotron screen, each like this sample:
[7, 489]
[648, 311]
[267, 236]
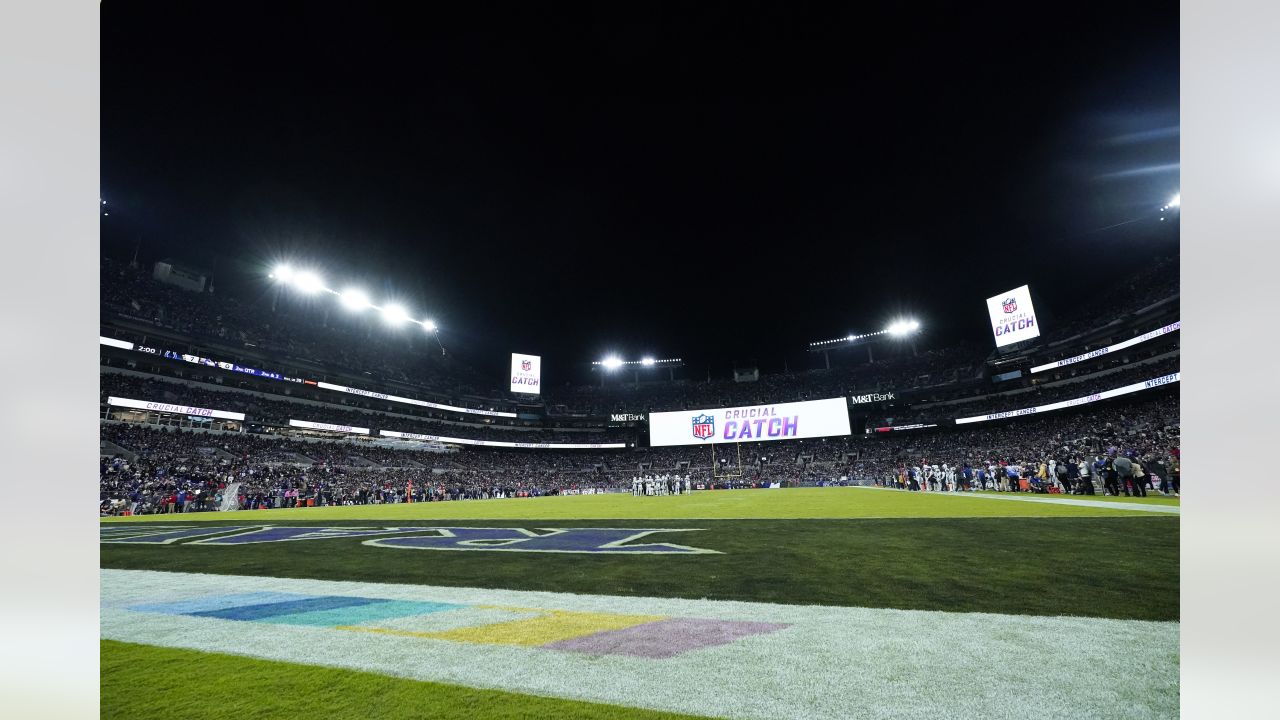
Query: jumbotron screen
[753, 423]
[526, 374]
[1013, 319]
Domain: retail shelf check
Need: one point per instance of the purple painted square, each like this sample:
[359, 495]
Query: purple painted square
[666, 638]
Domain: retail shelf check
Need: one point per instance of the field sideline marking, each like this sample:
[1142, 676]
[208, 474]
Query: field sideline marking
[1169, 509]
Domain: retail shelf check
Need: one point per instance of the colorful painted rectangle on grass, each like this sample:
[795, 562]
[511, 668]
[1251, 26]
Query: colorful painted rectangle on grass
[665, 638]
[550, 626]
[288, 607]
[697, 656]
[595, 633]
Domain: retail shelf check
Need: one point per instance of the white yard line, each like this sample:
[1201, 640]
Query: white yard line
[830, 663]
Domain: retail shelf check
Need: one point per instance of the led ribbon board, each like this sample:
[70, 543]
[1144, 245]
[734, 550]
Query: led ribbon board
[197, 360]
[1174, 327]
[410, 401]
[1106, 394]
[326, 426]
[498, 443]
[175, 408]
[752, 423]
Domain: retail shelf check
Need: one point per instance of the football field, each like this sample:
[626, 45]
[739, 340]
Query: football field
[797, 603]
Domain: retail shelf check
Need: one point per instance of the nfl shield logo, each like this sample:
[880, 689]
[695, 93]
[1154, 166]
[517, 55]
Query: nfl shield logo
[1010, 305]
[704, 426]
[525, 364]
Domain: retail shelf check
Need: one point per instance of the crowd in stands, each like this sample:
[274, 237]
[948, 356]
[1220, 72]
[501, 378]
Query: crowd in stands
[174, 470]
[177, 471]
[1145, 430]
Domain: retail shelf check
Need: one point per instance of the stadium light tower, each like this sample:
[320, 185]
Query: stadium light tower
[429, 325]
[898, 329]
[613, 363]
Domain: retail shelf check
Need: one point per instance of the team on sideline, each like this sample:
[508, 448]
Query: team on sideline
[1117, 473]
[649, 485]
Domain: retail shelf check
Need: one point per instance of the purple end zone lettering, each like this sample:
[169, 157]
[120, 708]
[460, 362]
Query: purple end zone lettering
[286, 534]
[553, 540]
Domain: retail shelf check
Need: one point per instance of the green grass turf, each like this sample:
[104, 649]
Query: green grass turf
[142, 681]
[1116, 567]
[792, 503]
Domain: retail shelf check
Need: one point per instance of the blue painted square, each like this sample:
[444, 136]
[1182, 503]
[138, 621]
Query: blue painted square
[288, 607]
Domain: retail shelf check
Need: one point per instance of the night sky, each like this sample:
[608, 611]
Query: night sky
[724, 182]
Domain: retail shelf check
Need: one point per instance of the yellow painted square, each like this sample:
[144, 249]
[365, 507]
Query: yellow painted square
[553, 626]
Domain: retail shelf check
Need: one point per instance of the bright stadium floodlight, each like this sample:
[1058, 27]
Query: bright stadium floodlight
[354, 299]
[395, 314]
[647, 361]
[1176, 201]
[429, 325]
[613, 362]
[308, 282]
[283, 273]
[903, 327]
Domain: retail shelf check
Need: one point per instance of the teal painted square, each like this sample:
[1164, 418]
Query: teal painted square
[355, 615]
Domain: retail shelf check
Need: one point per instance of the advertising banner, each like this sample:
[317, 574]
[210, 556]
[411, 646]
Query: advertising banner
[1104, 395]
[526, 374]
[874, 397]
[175, 408]
[326, 426]
[410, 401]
[1173, 327]
[197, 360]
[1013, 319]
[753, 423]
[499, 443]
